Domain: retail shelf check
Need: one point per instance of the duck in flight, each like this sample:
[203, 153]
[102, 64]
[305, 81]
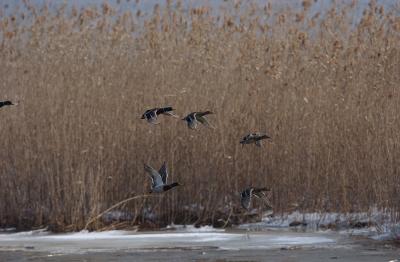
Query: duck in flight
[248, 193]
[254, 138]
[159, 179]
[6, 103]
[151, 114]
[193, 118]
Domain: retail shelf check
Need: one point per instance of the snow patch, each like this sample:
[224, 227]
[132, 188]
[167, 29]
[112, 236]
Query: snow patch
[32, 233]
[8, 229]
[374, 224]
[192, 228]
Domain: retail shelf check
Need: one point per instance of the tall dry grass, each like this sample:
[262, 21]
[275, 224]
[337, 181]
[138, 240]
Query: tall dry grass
[324, 87]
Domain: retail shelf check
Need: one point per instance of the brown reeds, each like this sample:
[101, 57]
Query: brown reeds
[326, 88]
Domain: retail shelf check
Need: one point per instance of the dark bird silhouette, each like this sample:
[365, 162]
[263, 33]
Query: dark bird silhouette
[193, 118]
[159, 179]
[6, 103]
[151, 114]
[254, 138]
[246, 195]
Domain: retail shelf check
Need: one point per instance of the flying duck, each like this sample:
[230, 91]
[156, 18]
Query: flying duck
[254, 138]
[159, 179]
[6, 103]
[193, 118]
[151, 114]
[246, 195]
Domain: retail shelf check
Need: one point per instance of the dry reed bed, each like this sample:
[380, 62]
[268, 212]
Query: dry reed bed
[327, 92]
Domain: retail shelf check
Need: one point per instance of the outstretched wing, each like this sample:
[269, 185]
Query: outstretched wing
[264, 194]
[261, 136]
[164, 110]
[155, 176]
[167, 111]
[164, 173]
[203, 120]
[261, 192]
[200, 117]
[245, 198]
[201, 114]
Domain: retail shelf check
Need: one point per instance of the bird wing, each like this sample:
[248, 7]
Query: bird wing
[171, 114]
[261, 136]
[167, 111]
[155, 176]
[260, 192]
[164, 110]
[201, 114]
[200, 117]
[164, 173]
[203, 120]
[245, 198]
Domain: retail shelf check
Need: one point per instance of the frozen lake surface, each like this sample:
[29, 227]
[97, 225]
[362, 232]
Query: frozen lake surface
[190, 244]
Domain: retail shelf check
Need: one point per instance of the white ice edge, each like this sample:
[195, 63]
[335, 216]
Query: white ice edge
[115, 234]
[110, 241]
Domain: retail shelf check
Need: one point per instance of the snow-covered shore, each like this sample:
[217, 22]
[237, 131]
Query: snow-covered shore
[374, 224]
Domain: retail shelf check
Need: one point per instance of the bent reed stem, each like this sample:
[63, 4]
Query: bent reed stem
[112, 207]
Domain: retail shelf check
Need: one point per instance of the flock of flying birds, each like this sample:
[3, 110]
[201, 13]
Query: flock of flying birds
[159, 178]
